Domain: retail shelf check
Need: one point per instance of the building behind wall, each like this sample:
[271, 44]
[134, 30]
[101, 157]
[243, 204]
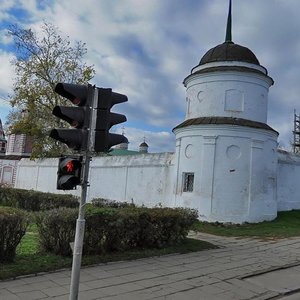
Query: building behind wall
[19, 145]
[16, 146]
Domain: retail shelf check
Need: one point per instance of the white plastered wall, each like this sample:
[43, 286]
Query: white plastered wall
[228, 94]
[142, 179]
[288, 181]
[234, 172]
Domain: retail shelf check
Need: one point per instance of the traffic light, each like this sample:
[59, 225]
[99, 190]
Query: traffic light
[68, 173]
[78, 117]
[106, 119]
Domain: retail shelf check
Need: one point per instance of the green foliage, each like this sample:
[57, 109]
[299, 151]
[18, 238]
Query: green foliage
[164, 226]
[110, 229]
[13, 223]
[35, 201]
[56, 230]
[101, 202]
[42, 61]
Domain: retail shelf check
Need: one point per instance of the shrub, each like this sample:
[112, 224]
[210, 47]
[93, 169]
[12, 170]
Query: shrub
[101, 202]
[160, 227]
[97, 231]
[35, 201]
[13, 223]
[56, 229]
[110, 229]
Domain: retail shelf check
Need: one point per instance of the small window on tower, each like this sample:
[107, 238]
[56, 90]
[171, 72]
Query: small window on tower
[188, 182]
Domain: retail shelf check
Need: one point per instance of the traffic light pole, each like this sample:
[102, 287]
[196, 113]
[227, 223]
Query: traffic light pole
[91, 120]
[80, 226]
[80, 223]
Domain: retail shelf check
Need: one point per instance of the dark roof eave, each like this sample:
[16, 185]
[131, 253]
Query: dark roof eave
[224, 121]
[227, 68]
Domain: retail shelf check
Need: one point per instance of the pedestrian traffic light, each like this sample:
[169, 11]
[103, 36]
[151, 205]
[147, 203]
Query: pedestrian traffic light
[68, 173]
[78, 117]
[106, 119]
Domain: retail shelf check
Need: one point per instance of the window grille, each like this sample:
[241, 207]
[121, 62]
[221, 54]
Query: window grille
[188, 182]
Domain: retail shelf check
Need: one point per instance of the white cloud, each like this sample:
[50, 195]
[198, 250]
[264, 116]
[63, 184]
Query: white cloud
[5, 6]
[5, 39]
[6, 74]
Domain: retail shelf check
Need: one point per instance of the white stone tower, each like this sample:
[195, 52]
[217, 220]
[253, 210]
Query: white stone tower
[225, 152]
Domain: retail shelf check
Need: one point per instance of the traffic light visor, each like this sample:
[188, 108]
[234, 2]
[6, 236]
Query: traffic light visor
[74, 138]
[77, 93]
[75, 116]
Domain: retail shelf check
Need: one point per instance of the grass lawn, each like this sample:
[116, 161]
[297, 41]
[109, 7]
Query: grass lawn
[287, 224]
[29, 260]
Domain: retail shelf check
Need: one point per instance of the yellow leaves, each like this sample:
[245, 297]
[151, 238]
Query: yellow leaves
[41, 63]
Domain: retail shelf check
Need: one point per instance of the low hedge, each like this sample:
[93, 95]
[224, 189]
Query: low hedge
[101, 202]
[56, 229]
[110, 229]
[13, 224]
[35, 201]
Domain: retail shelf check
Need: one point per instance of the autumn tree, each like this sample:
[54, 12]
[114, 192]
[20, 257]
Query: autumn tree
[43, 59]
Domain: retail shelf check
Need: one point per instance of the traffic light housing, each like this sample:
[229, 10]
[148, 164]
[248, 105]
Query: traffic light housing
[78, 117]
[105, 119]
[68, 173]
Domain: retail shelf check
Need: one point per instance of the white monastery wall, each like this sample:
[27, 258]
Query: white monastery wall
[288, 181]
[144, 179]
[38, 175]
[230, 183]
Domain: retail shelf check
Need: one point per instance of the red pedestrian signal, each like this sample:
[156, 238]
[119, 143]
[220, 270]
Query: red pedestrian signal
[69, 172]
[70, 166]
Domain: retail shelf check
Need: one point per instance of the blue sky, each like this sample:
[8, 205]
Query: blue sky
[145, 48]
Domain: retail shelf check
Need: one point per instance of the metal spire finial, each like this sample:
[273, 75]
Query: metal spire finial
[228, 37]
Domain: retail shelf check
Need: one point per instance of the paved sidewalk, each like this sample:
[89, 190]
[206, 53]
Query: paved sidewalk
[239, 269]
